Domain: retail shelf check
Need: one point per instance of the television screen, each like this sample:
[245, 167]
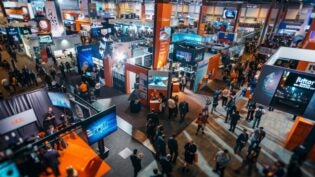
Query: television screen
[100, 125]
[229, 14]
[183, 56]
[158, 79]
[59, 99]
[293, 93]
[45, 39]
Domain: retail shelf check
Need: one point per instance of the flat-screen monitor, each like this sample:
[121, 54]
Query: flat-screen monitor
[229, 14]
[45, 39]
[183, 56]
[158, 79]
[100, 125]
[8, 169]
[59, 99]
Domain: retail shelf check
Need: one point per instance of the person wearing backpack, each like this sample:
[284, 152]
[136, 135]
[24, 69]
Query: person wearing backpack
[258, 114]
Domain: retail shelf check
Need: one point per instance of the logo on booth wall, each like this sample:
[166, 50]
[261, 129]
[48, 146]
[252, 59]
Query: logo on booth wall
[304, 83]
[17, 121]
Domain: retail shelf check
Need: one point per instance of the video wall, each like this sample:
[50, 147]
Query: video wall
[287, 90]
[188, 54]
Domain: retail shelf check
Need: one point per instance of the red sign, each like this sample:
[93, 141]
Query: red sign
[43, 55]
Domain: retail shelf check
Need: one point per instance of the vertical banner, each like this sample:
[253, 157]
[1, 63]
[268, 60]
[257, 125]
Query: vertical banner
[44, 56]
[92, 10]
[142, 12]
[162, 34]
[202, 20]
[51, 14]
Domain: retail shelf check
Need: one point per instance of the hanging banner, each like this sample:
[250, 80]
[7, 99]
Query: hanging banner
[162, 34]
[51, 15]
[202, 20]
[92, 10]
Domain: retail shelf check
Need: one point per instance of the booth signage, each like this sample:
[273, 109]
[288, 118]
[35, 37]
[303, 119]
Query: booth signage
[51, 15]
[16, 121]
[13, 34]
[304, 83]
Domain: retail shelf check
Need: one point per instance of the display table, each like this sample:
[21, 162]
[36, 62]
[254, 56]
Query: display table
[154, 104]
[176, 87]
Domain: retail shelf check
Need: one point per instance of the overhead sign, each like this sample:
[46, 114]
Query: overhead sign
[51, 14]
[17, 121]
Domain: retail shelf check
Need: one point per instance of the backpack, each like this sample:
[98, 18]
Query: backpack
[258, 113]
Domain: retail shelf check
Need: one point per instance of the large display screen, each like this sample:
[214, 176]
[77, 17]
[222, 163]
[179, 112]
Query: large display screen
[183, 56]
[86, 53]
[100, 125]
[229, 14]
[293, 93]
[287, 90]
[59, 99]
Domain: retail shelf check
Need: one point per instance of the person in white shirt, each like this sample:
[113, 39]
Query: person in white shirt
[171, 107]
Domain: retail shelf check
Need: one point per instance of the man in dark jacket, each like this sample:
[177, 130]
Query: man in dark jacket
[183, 109]
[241, 141]
[154, 117]
[136, 162]
[51, 158]
[173, 148]
[166, 165]
[234, 119]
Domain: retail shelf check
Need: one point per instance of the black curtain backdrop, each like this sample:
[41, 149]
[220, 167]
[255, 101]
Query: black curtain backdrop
[37, 100]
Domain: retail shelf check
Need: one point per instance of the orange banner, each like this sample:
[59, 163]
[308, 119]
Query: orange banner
[162, 34]
[202, 20]
[143, 12]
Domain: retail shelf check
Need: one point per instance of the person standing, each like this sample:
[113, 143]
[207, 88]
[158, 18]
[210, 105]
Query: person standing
[183, 109]
[215, 103]
[51, 157]
[222, 159]
[189, 155]
[171, 107]
[136, 162]
[200, 123]
[234, 119]
[251, 106]
[241, 141]
[161, 146]
[225, 96]
[230, 108]
[182, 83]
[173, 148]
[258, 114]
[256, 137]
[154, 117]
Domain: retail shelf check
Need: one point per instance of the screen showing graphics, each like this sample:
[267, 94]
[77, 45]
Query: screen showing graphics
[8, 169]
[183, 56]
[158, 79]
[101, 125]
[59, 99]
[45, 39]
[229, 14]
[293, 93]
[267, 84]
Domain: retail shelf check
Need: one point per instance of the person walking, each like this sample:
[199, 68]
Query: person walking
[234, 119]
[215, 103]
[183, 110]
[258, 114]
[201, 123]
[161, 146]
[136, 162]
[251, 106]
[241, 141]
[173, 148]
[222, 159]
[230, 108]
[166, 165]
[249, 162]
[189, 155]
[225, 96]
[171, 107]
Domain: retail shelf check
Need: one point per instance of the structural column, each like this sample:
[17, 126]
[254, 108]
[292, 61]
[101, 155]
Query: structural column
[237, 20]
[162, 33]
[282, 12]
[202, 18]
[267, 21]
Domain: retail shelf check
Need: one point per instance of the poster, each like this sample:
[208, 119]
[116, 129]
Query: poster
[51, 14]
[143, 82]
[86, 54]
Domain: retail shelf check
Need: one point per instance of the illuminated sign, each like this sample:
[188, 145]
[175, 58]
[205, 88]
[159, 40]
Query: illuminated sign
[304, 83]
[16, 121]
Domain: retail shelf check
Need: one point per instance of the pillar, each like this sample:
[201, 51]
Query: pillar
[282, 12]
[2, 9]
[237, 20]
[202, 18]
[267, 20]
[162, 21]
[307, 36]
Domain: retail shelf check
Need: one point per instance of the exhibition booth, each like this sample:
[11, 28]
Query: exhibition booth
[291, 90]
[23, 124]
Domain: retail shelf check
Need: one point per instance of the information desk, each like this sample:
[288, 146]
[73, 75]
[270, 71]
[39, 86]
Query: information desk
[154, 104]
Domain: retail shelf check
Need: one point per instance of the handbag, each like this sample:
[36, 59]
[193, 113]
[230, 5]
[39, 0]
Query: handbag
[196, 158]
